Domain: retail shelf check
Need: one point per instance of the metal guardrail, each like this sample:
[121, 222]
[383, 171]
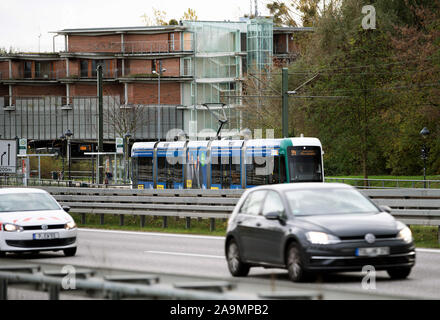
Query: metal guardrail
[386, 183]
[112, 287]
[411, 206]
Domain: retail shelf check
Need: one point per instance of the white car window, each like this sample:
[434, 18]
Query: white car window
[27, 202]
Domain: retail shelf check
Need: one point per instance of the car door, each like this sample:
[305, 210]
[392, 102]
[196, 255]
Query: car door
[269, 239]
[247, 223]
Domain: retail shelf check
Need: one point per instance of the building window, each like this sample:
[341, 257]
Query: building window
[95, 64]
[154, 65]
[28, 69]
[84, 66]
[43, 69]
[187, 67]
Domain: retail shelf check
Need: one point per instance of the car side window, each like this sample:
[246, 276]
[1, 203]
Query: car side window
[272, 203]
[253, 202]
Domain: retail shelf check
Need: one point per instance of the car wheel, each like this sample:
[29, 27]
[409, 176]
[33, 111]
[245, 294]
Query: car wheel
[235, 265]
[399, 273]
[295, 264]
[70, 252]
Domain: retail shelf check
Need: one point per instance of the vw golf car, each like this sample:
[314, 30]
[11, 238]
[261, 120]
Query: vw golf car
[32, 220]
[315, 227]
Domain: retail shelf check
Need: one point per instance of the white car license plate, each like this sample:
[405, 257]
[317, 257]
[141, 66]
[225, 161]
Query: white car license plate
[372, 252]
[46, 236]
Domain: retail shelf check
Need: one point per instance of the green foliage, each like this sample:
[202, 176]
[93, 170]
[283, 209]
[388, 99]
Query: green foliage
[380, 88]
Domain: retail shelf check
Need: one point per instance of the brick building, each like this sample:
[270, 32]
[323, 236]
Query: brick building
[42, 95]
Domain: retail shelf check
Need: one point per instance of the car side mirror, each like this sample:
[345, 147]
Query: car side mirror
[274, 215]
[385, 209]
[65, 208]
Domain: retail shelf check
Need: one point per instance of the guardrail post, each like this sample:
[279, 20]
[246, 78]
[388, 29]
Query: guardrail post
[54, 292]
[165, 222]
[3, 289]
[188, 223]
[438, 234]
[83, 218]
[211, 224]
[121, 220]
[101, 219]
[142, 221]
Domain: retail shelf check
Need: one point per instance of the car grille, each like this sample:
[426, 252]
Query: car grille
[49, 227]
[375, 261]
[362, 237]
[41, 243]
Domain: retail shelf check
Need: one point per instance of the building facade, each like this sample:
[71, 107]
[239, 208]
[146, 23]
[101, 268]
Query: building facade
[151, 75]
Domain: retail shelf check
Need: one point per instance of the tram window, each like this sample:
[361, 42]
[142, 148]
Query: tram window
[305, 164]
[145, 169]
[169, 171]
[236, 170]
[225, 171]
[276, 170]
[282, 169]
[262, 170]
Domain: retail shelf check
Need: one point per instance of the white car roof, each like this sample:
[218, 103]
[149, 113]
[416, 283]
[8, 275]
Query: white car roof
[20, 190]
[303, 185]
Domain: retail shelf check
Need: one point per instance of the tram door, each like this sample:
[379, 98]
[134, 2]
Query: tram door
[226, 164]
[197, 165]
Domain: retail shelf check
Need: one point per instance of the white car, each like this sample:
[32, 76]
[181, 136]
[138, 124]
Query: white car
[32, 220]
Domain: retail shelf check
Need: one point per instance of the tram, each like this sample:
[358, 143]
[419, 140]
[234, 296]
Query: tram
[226, 164]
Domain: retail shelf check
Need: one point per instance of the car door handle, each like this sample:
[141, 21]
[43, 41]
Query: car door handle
[239, 222]
[258, 224]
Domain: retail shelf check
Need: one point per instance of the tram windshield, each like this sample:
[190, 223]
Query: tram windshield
[304, 164]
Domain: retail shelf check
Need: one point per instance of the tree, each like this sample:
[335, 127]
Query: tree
[282, 14]
[307, 11]
[373, 91]
[190, 15]
[158, 19]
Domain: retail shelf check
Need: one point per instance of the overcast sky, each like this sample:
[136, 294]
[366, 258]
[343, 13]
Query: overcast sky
[22, 21]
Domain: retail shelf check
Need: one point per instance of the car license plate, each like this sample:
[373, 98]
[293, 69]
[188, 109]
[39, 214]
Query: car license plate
[46, 236]
[372, 252]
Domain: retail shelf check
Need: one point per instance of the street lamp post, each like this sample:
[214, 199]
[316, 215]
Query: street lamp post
[161, 70]
[62, 138]
[127, 137]
[424, 133]
[68, 135]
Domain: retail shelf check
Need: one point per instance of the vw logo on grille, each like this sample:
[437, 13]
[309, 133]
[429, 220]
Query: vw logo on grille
[44, 227]
[370, 238]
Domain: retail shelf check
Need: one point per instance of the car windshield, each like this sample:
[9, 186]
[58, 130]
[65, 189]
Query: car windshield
[328, 201]
[11, 202]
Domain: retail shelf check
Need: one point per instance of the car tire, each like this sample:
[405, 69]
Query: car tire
[295, 264]
[236, 267]
[399, 273]
[70, 252]
[2, 254]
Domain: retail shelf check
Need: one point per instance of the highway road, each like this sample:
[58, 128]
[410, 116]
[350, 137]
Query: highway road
[193, 255]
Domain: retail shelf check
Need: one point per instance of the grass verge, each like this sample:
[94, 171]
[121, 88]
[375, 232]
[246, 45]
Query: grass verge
[424, 236]
[152, 224]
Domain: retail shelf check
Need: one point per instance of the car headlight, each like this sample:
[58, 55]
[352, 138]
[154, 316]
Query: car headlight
[321, 238]
[405, 234]
[70, 225]
[10, 227]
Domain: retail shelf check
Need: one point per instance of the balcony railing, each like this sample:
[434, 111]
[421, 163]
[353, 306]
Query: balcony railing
[135, 47]
[29, 75]
[108, 73]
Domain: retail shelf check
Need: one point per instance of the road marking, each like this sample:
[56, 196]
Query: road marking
[186, 254]
[154, 234]
[428, 250]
